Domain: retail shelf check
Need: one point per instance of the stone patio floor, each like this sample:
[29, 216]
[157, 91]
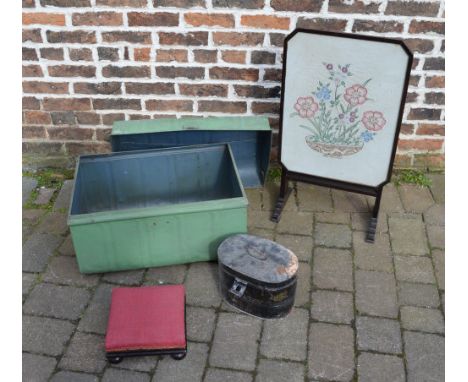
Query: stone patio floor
[362, 312]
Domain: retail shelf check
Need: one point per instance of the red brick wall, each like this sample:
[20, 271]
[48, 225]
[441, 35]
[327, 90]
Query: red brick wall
[87, 63]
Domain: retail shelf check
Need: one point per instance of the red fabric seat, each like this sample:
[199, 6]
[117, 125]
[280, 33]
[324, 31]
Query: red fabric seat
[146, 318]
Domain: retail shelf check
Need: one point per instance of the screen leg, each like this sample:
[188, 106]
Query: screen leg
[372, 227]
[283, 196]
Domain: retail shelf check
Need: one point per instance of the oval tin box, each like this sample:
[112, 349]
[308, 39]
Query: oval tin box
[257, 276]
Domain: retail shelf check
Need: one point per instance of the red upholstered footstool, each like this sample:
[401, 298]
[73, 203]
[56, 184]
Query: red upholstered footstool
[146, 321]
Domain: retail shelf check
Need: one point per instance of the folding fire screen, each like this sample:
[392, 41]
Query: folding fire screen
[341, 108]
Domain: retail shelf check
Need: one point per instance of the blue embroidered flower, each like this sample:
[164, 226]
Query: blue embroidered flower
[367, 136]
[323, 93]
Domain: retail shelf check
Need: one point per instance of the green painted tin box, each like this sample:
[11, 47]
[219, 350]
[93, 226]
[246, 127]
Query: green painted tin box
[139, 209]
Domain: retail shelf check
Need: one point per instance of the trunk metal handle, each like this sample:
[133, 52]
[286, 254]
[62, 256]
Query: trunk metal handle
[238, 287]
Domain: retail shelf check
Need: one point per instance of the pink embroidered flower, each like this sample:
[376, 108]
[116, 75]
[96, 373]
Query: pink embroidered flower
[306, 107]
[356, 95]
[373, 120]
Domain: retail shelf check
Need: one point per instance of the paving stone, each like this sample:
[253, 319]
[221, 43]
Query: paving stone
[37, 250]
[64, 197]
[66, 248]
[29, 184]
[218, 375]
[437, 187]
[314, 198]
[71, 376]
[254, 196]
[332, 235]
[415, 198]
[376, 294]
[201, 285]
[360, 222]
[28, 281]
[425, 357]
[378, 334]
[189, 369]
[270, 194]
[414, 269]
[372, 257]
[279, 371]
[37, 368]
[45, 335]
[296, 223]
[300, 245]
[200, 323]
[44, 195]
[422, 319]
[85, 353]
[349, 202]
[438, 257]
[333, 217]
[174, 274]
[331, 306]
[443, 301]
[32, 217]
[303, 285]
[27, 230]
[54, 222]
[134, 277]
[279, 341]
[56, 301]
[235, 342]
[265, 233]
[436, 236]
[435, 215]
[424, 295]
[64, 270]
[95, 317]
[408, 236]
[260, 219]
[119, 375]
[390, 201]
[380, 367]
[331, 352]
[333, 269]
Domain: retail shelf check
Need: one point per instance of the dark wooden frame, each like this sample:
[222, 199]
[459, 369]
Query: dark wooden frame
[287, 175]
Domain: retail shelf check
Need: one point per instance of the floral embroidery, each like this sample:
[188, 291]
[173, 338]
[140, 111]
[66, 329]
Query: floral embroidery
[306, 107]
[333, 114]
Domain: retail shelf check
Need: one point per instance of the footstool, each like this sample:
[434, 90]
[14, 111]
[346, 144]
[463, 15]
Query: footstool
[146, 321]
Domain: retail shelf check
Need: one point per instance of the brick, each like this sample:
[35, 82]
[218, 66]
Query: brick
[205, 55]
[45, 87]
[257, 91]
[277, 39]
[37, 367]
[424, 295]
[223, 73]
[419, 45]
[437, 98]
[126, 71]
[122, 3]
[435, 82]
[200, 324]
[32, 71]
[97, 18]
[209, 19]
[85, 353]
[425, 355]
[259, 219]
[44, 196]
[80, 148]
[29, 54]
[322, 24]
[421, 144]
[55, 223]
[372, 256]
[65, 376]
[116, 375]
[430, 129]
[63, 118]
[376, 294]
[94, 319]
[63, 198]
[169, 55]
[202, 285]
[117, 103]
[427, 27]
[333, 235]
[379, 367]
[66, 104]
[414, 80]
[414, 269]
[422, 319]
[168, 105]
[200, 90]
[333, 269]
[37, 117]
[33, 132]
[149, 88]
[216, 375]
[263, 58]
[377, 26]
[109, 119]
[265, 107]
[29, 3]
[72, 71]
[227, 351]
[331, 352]
[238, 39]
[335, 307]
[190, 369]
[70, 133]
[66, 3]
[265, 21]
[48, 148]
[234, 56]
[300, 245]
[32, 35]
[295, 6]
[435, 215]
[52, 54]
[221, 106]
[141, 54]
[279, 371]
[45, 335]
[412, 8]
[434, 63]
[407, 129]
[378, 334]
[436, 161]
[127, 36]
[97, 88]
[157, 19]
[438, 257]
[180, 72]
[108, 54]
[179, 3]
[246, 4]
[190, 38]
[71, 37]
[357, 6]
[37, 250]
[411, 97]
[408, 236]
[82, 54]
